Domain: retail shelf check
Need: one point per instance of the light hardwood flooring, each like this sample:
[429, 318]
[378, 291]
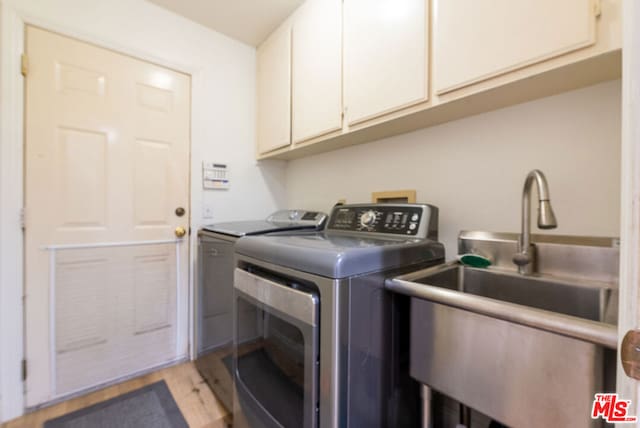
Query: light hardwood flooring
[194, 398]
[212, 368]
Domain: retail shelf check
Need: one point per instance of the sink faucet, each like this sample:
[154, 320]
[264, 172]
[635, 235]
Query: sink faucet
[525, 257]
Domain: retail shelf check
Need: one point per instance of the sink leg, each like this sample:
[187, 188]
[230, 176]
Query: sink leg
[465, 416]
[426, 407]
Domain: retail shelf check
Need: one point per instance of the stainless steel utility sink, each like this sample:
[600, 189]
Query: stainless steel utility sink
[583, 299]
[529, 351]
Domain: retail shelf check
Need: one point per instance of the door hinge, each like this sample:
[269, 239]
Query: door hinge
[597, 8]
[23, 220]
[24, 65]
[24, 369]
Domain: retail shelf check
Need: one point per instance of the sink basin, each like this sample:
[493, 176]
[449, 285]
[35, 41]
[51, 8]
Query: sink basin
[580, 300]
[527, 351]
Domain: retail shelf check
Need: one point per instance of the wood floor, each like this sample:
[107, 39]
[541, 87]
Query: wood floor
[195, 400]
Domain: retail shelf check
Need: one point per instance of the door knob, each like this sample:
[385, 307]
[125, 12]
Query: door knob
[630, 354]
[180, 231]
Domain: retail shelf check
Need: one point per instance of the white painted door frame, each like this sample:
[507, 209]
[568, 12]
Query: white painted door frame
[629, 318]
[11, 147]
[12, 30]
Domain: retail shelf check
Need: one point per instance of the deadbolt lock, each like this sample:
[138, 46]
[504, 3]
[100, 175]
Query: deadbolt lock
[180, 211]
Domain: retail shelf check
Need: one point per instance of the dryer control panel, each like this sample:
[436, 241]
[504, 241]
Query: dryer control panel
[419, 220]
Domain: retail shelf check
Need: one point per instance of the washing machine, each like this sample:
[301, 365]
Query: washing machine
[328, 345]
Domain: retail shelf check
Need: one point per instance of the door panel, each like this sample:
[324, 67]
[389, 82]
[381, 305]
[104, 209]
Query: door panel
[81, 302]
[151, 283]
[70, 78]
[152, 183]
[152, 98]
[107, 163]
[83, 177]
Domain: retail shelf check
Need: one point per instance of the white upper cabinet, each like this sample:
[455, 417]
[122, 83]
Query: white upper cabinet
[343, 72]
[317, 69]
[274, 90]
[475, 40]
[385, 56]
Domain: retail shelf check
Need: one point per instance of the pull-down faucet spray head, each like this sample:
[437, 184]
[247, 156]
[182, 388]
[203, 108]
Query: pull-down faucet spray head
[525, 257]
[546, 217]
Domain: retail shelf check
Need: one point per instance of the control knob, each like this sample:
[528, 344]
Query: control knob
[368, 218]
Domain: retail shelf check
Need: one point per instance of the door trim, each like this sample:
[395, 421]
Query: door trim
[629, 316]
[13, 22]
[11, 199]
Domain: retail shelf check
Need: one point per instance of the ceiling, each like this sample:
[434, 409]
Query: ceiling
[249, 21]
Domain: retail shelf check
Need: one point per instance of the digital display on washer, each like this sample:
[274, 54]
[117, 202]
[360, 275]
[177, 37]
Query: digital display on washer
[344, 217]
[311, 215]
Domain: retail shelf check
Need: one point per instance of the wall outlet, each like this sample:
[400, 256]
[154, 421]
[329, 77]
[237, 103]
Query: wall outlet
[207, 211]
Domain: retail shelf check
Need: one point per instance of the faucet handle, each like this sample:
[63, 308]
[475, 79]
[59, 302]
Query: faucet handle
[522, 259]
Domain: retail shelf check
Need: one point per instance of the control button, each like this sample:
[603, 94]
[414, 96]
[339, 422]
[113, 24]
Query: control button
[412, 226]
[414, 217]
[368, 218]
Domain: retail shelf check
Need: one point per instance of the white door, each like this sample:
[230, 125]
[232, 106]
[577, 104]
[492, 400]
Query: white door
[107, 166]
[385, 56]
[316, 69]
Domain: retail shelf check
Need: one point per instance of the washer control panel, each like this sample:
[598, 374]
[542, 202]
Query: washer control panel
[298, 217]
[393, 219]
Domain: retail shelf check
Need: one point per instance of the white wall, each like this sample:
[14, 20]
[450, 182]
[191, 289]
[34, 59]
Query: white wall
[473, 169]
[223, 109]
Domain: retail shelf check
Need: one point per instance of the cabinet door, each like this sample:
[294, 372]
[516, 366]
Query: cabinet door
[478, 39]
[274, 90]
[317, 69]
[385, 55]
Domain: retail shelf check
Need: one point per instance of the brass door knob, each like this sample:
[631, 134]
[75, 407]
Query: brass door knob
[630, 354]
[180, 231]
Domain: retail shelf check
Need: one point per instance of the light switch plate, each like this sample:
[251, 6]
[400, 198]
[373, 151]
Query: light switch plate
[207, 211]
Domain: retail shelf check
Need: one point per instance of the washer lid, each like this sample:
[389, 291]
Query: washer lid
[243, 228]
[278, 221]
[338, 255]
